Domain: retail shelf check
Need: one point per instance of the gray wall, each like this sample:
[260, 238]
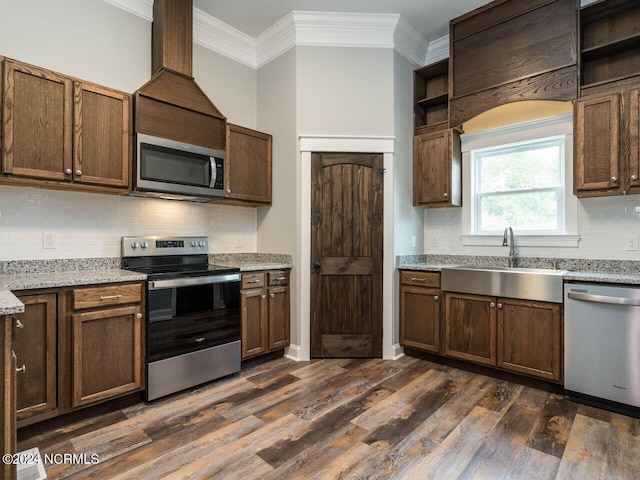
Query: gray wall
[345, 91]
[278, 225]
[407, 219]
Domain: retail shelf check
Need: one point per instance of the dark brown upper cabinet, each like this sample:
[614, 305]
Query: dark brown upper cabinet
[37, 126]
[248, 167]
[609, 45]
[62, 132]
[437, 169]
[508, 51]
[607, 144]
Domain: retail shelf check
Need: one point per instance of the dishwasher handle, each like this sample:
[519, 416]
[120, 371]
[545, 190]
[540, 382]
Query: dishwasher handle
[586, 297]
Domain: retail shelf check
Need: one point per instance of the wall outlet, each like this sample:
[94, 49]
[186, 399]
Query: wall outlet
[49, 240]
[631, 242]
[434, 241]
[413, 241]
[237, 243]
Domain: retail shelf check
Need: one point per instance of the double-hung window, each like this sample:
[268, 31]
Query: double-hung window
[519, 185]
[520, 176]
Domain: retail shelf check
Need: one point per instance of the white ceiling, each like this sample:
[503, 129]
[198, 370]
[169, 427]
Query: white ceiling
[253, 17]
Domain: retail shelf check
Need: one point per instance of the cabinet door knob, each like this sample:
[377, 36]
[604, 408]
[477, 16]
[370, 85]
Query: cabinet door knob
[19, 324]
[445, 194]
[263, 296]
[492, 305]
[79, 173]
[22, 369]
[272, 295]
[228, 190]
[499, 305]
[68, 171]
[614, 179]
[435, 298]
[634, 177]
[138, 315]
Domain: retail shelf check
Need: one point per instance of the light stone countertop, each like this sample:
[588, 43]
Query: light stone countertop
[249, 266]
[67, 279]
[9, 304]
[601, 277]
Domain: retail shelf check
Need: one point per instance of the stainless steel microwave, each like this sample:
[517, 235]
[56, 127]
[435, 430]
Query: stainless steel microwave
[178, 171]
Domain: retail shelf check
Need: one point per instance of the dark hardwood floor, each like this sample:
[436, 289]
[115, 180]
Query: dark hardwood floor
[340, 419]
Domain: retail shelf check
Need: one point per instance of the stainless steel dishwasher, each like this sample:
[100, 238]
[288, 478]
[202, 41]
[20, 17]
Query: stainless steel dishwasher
[602, 342]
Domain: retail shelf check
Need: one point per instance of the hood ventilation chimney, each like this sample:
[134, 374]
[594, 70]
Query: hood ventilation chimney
[171, 105]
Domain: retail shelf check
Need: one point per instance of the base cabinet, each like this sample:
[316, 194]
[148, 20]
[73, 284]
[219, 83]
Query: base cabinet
[106, 369]
[36, 350]
[520, 336]
[265, 312]
[530, 338]
[420, 311]
[76, 347]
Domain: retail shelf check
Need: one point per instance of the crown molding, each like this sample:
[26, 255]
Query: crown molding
[409, 42]
[327, 29]
[438, 50]
[140, 8]
[222, 38]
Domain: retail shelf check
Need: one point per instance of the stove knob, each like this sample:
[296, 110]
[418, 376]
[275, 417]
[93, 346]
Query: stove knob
[144, 244]
[194, 244]
[201, 244]
[135, 245]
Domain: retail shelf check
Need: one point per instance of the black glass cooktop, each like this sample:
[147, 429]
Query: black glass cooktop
[166, 267]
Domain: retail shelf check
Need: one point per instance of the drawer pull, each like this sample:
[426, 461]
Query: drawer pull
[19, 324]
[254, 281]
[109, 297]
[280, 279]
[22, 369]
[272, 295]
[415, 279]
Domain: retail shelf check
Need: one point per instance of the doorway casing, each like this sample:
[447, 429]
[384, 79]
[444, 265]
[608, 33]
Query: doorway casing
[301, 351]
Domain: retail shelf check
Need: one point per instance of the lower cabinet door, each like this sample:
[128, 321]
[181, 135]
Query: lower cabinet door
[420, 318]
[530, 338]
[107, 354]
[278, 317]
[254, 321]
[35, 347]
[470, 328]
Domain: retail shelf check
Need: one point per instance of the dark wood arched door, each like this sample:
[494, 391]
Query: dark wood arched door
[346, 254]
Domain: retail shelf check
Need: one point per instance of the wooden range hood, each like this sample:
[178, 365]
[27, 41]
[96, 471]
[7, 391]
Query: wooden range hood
[171, 105]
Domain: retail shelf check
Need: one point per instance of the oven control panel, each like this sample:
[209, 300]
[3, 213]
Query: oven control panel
[150, 246]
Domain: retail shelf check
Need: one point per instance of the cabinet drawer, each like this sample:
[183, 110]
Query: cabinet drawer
[107, 295]
[425, 279]
[278, 277]
[252, 280]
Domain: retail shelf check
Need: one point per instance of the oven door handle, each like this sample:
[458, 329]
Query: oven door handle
[193, 281]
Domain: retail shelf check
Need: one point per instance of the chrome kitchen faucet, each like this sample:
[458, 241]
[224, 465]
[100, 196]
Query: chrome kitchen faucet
[512, 248]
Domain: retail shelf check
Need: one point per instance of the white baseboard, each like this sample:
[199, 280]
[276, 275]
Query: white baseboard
[398, 351]
[293, 352]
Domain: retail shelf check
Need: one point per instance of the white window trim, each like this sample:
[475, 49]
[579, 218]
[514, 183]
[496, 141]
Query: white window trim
[548, 127]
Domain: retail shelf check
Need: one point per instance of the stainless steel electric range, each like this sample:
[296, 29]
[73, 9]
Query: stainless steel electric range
[193, 312]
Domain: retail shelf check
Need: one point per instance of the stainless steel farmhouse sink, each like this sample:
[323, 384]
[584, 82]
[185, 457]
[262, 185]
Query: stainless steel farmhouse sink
[524, 283]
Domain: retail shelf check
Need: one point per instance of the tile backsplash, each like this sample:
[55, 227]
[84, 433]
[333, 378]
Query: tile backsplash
[89, 225]
[604, 224]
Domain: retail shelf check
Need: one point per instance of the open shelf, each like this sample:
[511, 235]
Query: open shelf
[610, 42]
[431, 95]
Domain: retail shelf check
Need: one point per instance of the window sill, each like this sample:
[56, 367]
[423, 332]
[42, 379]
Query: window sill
[566, 241]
